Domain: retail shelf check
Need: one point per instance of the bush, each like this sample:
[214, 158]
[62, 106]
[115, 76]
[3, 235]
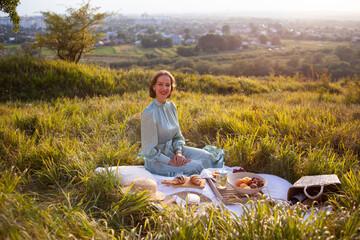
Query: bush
[240, 68]
[123, 64]
[344, 53]
[262, 67]
[353, 92]
[204, 67]
[151, 55]
[214, 43]
[184, 63]
[187, 51]
[294, 61]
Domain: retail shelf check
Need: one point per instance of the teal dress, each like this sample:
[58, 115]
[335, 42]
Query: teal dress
[161, 137]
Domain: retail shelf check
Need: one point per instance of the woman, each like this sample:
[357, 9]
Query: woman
[161, 139]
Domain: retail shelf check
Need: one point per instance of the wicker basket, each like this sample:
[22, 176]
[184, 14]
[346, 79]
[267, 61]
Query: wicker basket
[315, 187]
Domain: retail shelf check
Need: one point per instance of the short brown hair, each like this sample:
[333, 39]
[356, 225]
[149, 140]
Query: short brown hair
[153, 81]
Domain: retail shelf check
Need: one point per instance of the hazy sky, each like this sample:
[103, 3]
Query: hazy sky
[166, 7]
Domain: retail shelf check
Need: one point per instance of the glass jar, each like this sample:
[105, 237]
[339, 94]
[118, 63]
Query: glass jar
[221, 179]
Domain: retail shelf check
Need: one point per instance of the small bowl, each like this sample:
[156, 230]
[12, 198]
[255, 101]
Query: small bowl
[232, 178]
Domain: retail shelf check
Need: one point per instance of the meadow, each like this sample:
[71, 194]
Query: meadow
[309, 58]
[59, 121]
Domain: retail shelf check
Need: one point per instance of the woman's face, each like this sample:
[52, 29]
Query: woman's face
[162, 88]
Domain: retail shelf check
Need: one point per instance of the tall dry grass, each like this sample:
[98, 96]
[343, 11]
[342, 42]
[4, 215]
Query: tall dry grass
[50, 146]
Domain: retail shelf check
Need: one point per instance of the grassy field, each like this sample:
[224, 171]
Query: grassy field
[128, 52]
[59, 121]
[310, 58]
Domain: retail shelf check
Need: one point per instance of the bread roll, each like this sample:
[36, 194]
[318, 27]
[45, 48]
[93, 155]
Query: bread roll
[179, 179]
[195, 179]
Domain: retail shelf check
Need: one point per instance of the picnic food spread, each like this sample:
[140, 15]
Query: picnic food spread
[238, 169]
[179, 179]
[241, 183]
[221, 179]
[249, 183]
[195, 181]
[235, 170]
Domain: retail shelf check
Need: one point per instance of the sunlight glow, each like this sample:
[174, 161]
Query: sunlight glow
[167, 7]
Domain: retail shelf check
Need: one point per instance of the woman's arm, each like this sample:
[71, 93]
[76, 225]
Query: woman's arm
[149, 138]
[178, 140]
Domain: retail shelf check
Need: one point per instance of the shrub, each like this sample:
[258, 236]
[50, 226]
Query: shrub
[187, 51]
[184, 63]
[353, 92]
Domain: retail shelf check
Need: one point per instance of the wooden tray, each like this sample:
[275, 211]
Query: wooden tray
[186, 184]
[228, 196]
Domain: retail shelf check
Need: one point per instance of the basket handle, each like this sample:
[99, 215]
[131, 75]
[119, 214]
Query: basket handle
[314, 197]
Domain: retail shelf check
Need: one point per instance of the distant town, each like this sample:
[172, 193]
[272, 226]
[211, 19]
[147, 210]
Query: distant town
[120, 29]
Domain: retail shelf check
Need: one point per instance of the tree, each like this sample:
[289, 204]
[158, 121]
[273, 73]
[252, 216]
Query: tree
[306, 69]
[254, 28]
[154, 41]
[294, 61]
[240, 68]
[344, 53]
[275, 40]
[232, 42]
[73, 34]
[150, 30]
[318, 57]
[263, 39]
[226, 29]
[262, 66]
[9, 7]
[213, 43]
[186, 51]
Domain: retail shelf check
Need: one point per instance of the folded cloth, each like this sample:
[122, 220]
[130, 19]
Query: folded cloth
[218, 153]
[126, 174]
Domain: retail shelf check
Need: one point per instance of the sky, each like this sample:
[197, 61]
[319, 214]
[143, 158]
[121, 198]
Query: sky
[168, 7]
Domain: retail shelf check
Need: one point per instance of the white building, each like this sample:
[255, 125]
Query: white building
[32, 22]
[176, 38]
[26, 22]
[111, 35]
[5, 21]
[150, 20]
[355, 39]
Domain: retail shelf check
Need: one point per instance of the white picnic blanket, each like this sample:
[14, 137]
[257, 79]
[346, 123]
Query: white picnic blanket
[276, 188]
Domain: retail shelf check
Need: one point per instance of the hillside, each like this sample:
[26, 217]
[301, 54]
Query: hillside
[59, 121]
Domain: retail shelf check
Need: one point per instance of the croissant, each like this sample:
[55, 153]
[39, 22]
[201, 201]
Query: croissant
[179, 179]
[195, 179]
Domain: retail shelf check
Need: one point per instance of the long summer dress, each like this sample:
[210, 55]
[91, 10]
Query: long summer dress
[161, 137]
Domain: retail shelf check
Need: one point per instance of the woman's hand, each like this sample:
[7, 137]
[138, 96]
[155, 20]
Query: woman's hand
[179, 160]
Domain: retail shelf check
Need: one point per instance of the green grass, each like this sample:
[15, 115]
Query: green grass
[51, 142]
[123, 52]
[104, 51]
[320, 55]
